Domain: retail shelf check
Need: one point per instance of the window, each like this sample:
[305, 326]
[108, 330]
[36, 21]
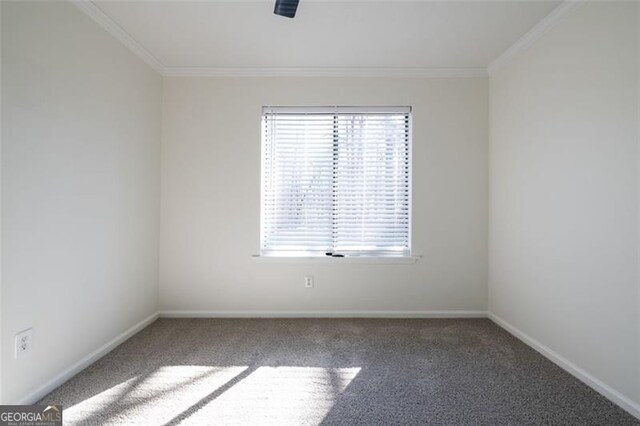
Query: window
[336, 180]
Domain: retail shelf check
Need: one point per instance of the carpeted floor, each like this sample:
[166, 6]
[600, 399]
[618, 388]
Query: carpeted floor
[329, 372]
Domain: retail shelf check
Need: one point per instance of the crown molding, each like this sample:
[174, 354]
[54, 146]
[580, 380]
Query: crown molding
[540, 29]
[325, 72]
[112, 27]
[102, 19]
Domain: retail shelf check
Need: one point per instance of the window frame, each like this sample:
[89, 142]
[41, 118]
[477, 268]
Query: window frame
[406, 257]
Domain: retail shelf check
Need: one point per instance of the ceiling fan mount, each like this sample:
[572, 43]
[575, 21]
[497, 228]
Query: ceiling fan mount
[286, 8]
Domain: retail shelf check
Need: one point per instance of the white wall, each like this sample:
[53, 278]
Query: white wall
[211, 199]
[563, 257]
[80, 185]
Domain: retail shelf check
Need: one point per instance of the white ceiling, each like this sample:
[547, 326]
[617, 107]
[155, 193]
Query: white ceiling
[326, 34]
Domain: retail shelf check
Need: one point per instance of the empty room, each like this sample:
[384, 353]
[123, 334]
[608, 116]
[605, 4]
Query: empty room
[319, 212]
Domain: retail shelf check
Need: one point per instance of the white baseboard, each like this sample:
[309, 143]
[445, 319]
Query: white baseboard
[58, 380]
[323, 314]
[599, 386]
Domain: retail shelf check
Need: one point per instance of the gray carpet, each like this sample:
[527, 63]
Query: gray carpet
[329, 372]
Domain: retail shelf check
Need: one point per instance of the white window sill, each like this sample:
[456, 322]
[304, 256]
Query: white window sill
[335, 260]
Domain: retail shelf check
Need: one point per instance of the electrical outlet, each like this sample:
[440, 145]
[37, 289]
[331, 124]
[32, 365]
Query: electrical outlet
[24, 343]
[308, 281]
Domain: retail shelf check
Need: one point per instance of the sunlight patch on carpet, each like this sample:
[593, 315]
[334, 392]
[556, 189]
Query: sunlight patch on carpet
[153, 399]
[277, 396]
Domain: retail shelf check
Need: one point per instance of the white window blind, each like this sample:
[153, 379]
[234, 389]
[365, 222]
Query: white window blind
[336, 180]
